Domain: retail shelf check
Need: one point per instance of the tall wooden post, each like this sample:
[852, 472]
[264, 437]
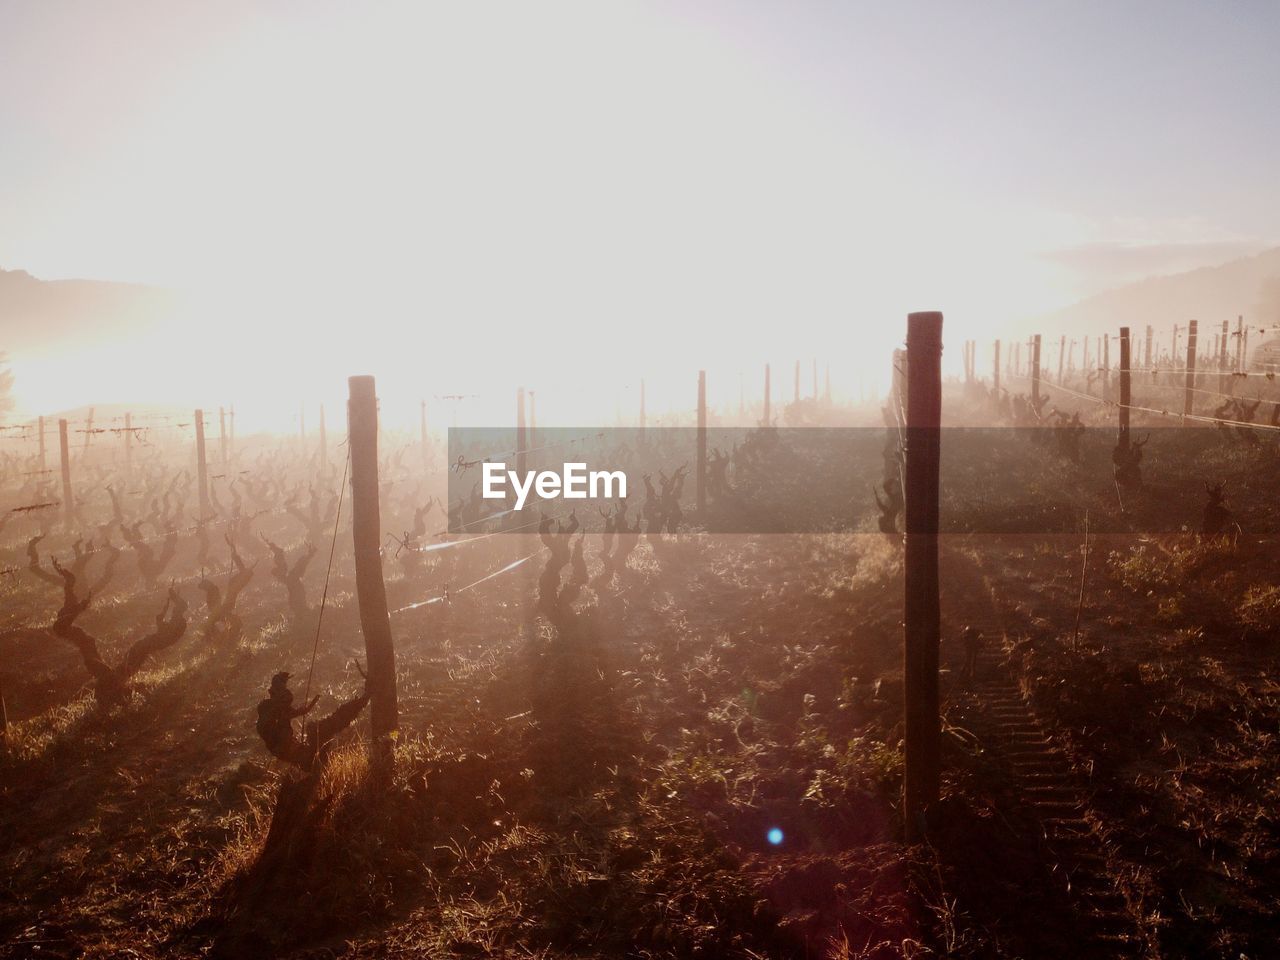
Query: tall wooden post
[1106, 366]
[522, 441]
[702, 440]
[768, 416]
[64, 449]
[1062, 355]
[995, 371]
[1191, 368]
[923, 615]
[222, 436]
[128, 443]
[1035, 368]
[202, 468]
[88, 431]
[371, 591]
[1240, 344]
[1124, 388]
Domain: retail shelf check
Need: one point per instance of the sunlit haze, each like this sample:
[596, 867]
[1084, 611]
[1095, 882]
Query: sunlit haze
[460, 197]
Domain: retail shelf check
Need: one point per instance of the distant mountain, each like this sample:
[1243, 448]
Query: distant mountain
[44, 316]
[1249, 286]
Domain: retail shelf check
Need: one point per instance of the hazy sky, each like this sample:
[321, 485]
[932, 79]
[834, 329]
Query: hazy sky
[633, 180]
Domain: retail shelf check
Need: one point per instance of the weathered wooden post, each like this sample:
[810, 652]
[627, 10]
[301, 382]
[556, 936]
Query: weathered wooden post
[995, 371]
[923, 615]
[768, 389]
[1106, 366]
[1035, 368]
[88, 432]
[1124, 389]
[202, 468]
[1062, 355]
[1191, 368]
[371, 591]
[64, 448]
[1240, 343]
[702, 440]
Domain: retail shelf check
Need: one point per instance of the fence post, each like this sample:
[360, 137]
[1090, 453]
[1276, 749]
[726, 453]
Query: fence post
[64, 449]
[371, 590]
[702, 439]
[1191, 368]
[202, 468]
[1035, 368]
[1124, 388]
[1239, 343]
[923, 614]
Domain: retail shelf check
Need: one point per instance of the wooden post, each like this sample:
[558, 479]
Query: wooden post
[64, 448]
[1240, 343]
[202, 468]
[768, 416]
[995, 371]
[1191, 368]
[88, 432]
[128, 443]
[1062, 355]
[923, 615]
[1124, 388]
[1244, 351]
[702, 440]
[522, 443]
[371, 590]
[324, 442]
[1035, 368]
[1106, 366]
[222, 436]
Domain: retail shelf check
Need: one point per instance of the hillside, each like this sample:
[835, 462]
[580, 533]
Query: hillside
[1248, 286]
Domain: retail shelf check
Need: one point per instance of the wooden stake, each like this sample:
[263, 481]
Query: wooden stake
[68, 503]
[202, 468]
[1191, 368]
[1124, 389]
[702, 440]
[371, 591]
[923, 615]
[1035, 368]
